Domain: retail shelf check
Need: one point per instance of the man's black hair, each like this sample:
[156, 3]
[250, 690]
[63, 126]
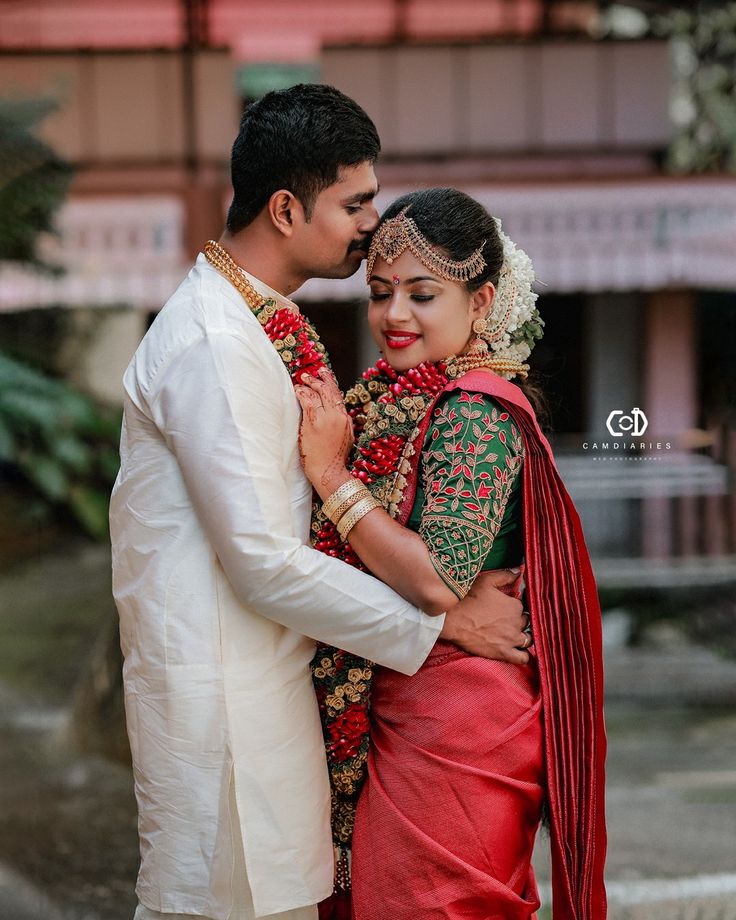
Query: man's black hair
[296, 139]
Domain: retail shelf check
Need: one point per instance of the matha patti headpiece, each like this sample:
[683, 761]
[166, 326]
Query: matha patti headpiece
[400, 233]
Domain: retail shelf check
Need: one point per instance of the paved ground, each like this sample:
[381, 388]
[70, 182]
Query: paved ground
[67, 825]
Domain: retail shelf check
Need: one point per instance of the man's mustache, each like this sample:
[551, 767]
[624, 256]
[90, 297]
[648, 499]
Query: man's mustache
[361, 245]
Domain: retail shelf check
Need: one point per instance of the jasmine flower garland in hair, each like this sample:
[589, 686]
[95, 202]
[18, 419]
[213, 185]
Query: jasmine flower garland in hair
[525, 325]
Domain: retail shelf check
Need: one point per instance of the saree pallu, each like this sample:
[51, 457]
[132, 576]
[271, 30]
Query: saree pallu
[562, 600]
[446, 822]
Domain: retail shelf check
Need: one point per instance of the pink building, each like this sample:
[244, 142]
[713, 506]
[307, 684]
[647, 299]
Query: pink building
[558, 134]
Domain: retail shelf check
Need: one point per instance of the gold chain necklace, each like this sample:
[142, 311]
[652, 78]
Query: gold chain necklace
[221, 259]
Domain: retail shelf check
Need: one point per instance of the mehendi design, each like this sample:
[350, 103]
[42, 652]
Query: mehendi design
[342, 452]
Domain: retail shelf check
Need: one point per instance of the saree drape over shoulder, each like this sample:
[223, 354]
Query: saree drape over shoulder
[464, 752]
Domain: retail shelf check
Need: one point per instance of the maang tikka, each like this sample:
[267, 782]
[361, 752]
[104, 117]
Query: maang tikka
[400, 233]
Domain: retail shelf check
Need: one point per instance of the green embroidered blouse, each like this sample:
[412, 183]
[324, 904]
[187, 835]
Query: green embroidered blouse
[468, 503]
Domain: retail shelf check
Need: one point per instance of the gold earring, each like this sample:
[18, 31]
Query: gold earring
[480, 325]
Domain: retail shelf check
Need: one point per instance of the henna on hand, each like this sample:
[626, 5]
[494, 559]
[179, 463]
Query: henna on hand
[338, 461]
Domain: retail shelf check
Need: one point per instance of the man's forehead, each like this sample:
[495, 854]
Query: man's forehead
[353, 179]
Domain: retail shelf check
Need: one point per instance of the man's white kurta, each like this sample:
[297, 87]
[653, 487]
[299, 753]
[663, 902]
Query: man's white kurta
[218, 594]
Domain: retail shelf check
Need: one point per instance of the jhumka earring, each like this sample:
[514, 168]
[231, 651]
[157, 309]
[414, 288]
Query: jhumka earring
[479, 346]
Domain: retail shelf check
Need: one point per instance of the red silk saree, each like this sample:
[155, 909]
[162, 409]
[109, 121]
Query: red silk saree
[465, 730]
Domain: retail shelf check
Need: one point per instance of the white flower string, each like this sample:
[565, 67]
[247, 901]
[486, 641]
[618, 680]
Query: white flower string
[513, 339]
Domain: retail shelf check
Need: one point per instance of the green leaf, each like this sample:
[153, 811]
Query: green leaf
[31, 411]
[56, 436]
[73, 453]
[90, 507]
[108, 462]
[7, 443]
[76, 410]
[47, 475]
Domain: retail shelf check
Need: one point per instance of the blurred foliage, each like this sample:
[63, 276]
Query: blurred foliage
[703, 39]
[33, 182]
[39, 337]
[61, 443]
[56, 440]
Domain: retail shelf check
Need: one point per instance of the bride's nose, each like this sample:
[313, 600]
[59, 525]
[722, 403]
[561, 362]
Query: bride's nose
[398, 307]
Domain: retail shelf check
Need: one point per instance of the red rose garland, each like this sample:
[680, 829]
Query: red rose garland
[387, 408]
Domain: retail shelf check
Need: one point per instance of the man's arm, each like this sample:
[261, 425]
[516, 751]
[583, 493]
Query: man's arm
[218, 405]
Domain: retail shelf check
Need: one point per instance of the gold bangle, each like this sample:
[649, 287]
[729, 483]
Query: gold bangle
[355, 514]
[345, 506]
[353, 487]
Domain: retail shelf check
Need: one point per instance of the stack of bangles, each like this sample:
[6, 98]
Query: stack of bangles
[348, 504]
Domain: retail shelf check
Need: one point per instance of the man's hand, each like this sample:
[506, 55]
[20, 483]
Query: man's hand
[489, 623]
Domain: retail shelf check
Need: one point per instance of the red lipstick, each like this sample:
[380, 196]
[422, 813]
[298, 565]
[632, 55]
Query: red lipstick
[397, 339]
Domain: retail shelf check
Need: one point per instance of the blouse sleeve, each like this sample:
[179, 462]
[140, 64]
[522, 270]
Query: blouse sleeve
[472, 457]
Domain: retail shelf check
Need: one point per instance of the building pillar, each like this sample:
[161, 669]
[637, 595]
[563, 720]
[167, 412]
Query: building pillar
[612, 381]
[613, 348]
[670, 404]
[670, 370]
[204, 205]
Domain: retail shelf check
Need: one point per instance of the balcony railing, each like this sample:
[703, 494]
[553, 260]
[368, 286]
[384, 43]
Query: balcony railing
[114, 251]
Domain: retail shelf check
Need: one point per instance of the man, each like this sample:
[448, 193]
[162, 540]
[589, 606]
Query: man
[216, 586]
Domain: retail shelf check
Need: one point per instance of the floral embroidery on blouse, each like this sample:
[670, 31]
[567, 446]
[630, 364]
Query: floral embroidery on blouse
[472, 458]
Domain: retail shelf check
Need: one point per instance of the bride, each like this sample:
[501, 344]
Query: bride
[451, 769]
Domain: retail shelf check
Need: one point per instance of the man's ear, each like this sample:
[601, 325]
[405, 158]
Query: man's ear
[284, 210]
[481, 303]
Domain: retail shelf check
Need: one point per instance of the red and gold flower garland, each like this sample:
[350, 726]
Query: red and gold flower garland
[387, 408]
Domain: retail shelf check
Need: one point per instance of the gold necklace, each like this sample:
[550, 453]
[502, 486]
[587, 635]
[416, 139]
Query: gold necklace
[221, 259]
[458, 365]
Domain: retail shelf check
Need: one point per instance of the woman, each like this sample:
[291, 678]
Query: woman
[451, 475]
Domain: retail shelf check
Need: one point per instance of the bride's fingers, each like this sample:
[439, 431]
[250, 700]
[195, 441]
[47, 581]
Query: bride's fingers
[311, 382]
[330, 384]
[326, 387]
[329, 379]
[308, 399]
[317, 386]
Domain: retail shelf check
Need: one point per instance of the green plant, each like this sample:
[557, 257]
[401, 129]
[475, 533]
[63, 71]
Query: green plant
[703, 42]
[59, 441]
[33, 182]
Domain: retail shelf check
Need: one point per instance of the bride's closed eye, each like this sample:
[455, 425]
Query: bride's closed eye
[384, 295]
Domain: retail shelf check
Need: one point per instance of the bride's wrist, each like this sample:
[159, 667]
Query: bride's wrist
[328, 481]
